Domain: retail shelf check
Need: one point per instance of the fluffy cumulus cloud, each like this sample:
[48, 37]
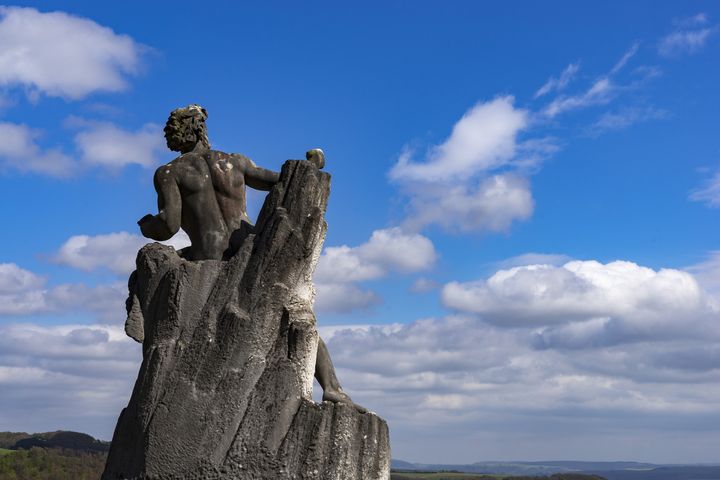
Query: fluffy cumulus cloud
[387, 251]
[114, 251]
[343, 298]
[16, 279]
[586, 303]
[490, 204]
[65, 377]
[109, 146]
[474, 180]
[62, 55]
[484, 138]
[103, 145]
[691, 35]
[25, 293]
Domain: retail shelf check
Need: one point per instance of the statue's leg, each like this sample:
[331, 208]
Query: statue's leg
[326, 377]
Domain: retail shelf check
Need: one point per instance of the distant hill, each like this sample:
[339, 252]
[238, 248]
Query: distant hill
[59, 439]
[521, 468]
[418, 475]
[608, 470]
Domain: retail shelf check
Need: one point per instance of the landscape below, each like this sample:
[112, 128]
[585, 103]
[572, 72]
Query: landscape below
[67, 455]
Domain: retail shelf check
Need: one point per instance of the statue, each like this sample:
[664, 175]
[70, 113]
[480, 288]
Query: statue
[228, 332]
[203, 192]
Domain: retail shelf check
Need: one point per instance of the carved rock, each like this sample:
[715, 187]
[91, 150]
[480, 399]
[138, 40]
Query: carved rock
[229, 347]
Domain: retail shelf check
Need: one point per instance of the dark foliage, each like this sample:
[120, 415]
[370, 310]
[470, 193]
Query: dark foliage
[52, 464]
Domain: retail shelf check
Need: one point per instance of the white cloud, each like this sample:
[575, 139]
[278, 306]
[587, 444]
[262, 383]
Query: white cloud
[558, 84]
[533, 258]
[114, 251]
[63, 55]
[24, 293]
[19, 150]
[106, 145]
[492, 205]
[343, 298]
[707, 273]
[460, 375]
[15, 279]
[624, 118]
[454, 186]
[65, 377]
[625, 58]
[387, 251]
[586, 303]
[692, 21]
[684, 42]
[709, 193]
[464, 376]
[601, 92]
[484, 138]
[98, 145]
[424, 285]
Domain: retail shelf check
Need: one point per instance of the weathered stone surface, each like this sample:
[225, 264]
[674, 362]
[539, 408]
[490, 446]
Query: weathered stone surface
[229, 348]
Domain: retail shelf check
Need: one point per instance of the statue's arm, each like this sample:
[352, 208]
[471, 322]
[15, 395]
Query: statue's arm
[259, 178]
[167, 222]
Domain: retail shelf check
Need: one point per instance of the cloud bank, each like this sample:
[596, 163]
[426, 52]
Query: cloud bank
[62, 55]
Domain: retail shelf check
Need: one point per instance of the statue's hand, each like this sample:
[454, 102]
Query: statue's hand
[144, 222]
[145, 219]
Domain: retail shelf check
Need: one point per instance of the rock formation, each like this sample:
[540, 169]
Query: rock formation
[229, 348]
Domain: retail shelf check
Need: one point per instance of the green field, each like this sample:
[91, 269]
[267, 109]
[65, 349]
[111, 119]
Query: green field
[5, 451]
[442, 476]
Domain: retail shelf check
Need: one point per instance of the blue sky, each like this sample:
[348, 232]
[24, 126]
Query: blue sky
[522, 259]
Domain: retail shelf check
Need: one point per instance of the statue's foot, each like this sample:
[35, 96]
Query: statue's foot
[338, 396]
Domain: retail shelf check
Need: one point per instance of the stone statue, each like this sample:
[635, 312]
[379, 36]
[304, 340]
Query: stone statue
[229, 336]
[203, 192]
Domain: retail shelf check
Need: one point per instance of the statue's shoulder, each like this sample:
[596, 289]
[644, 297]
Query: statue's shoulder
[242, 159]
[181, 166]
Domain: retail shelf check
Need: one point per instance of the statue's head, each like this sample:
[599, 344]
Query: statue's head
[185, 128]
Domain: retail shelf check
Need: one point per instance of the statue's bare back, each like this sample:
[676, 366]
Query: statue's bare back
[203, 191]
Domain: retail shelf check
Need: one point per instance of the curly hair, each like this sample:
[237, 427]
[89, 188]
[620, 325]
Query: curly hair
[190, 123]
